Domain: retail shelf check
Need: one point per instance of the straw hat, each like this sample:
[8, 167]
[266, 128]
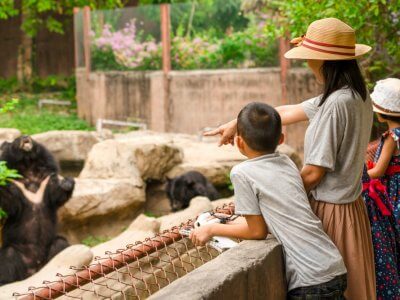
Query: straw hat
[327, 39]
[386, 97]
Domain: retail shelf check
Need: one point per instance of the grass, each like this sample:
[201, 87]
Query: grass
[92, 241]
[29, 119]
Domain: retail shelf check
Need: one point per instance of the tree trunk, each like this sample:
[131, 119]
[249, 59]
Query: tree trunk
[24, 64]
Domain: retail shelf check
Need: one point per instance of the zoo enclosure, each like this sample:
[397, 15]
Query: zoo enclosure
[136, 65]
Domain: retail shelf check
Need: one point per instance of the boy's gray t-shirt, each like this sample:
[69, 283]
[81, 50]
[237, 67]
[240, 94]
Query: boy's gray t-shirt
[271, 186]
[337, 139]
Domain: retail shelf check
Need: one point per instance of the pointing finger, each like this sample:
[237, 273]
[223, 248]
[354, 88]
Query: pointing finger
[212, 132]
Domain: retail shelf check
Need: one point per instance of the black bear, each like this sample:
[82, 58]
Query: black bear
[182, 189]
[29, 233]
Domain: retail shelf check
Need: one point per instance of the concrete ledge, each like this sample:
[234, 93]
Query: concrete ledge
[254, 270]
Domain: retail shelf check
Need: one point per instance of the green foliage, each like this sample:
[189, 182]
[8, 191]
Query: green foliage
[7, 9]
[3, 214]
[26, 116]
[7, 174]
[377, 23]
[42, 13]
[229, 182]
[250, 47]
[92, 241]
[64, 85]
[29, 123]
[9, 106]
[150, 214]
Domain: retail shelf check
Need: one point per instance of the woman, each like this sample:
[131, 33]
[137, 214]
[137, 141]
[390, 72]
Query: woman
[334, 145]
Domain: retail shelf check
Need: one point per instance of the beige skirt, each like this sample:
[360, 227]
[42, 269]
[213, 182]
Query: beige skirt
[348, 227]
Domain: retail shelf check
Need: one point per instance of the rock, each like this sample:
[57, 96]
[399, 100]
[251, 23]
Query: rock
[201, 154]
[110, 159]
[197, 206]
[293, 155]
[215, 162]
[9, 134]
[154, 158]
[70, 145]
[97, 201]
[157, 202]
[141, 228]
[151, 157]
[76, 255]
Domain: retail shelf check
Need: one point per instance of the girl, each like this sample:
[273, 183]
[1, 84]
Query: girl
[340, 121]
[381, 189]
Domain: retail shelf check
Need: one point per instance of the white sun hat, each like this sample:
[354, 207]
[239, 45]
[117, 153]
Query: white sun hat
[386, 97]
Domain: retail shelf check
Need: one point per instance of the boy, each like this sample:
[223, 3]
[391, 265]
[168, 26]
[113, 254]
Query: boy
[269, 193]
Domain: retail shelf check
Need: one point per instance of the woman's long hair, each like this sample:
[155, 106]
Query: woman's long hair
[340, 74]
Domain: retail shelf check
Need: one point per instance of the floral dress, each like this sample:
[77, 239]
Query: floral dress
[381, 198]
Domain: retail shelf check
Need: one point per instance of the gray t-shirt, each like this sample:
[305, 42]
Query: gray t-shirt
[271, 186]
[337, 138]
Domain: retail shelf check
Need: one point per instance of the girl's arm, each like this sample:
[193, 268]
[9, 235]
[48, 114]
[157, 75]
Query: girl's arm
[253, 228]
[388, 149]
[312, 176]
[290, 114]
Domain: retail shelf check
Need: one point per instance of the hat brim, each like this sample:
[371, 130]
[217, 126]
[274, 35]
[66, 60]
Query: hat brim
[301, 52]
[379, 111]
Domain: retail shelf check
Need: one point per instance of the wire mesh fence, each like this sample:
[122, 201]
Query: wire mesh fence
[136, 272]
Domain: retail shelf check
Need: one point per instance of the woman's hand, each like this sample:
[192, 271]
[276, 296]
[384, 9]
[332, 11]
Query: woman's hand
[227, 132]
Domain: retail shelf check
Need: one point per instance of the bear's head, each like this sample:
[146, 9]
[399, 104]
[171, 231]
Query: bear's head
[182, 189]
[24, 154]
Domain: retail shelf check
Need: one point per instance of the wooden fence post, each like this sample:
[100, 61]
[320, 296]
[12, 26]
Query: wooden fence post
[284, 45]
[86, 39]
[76, 39]
[166, 60]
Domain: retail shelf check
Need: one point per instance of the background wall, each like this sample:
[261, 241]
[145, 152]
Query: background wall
[197, 99]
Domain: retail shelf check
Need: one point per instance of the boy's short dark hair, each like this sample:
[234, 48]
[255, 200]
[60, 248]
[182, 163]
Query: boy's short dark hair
[260, 126]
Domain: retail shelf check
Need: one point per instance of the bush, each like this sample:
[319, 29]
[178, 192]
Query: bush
[248, 48]
[64, 85]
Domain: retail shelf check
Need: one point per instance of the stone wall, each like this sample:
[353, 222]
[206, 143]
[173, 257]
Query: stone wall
[253, 270]
[197, 99]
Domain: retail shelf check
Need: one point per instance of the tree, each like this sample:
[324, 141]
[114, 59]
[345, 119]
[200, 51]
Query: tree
[376, 22]
[36, 14]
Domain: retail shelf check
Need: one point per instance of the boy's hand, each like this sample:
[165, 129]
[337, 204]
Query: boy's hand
[201, 235]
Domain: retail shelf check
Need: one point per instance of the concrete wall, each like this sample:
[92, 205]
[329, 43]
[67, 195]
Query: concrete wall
[253, 270]
[197, 99]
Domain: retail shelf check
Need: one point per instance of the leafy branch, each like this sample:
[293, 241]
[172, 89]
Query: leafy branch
[6, 174]
[9, 106]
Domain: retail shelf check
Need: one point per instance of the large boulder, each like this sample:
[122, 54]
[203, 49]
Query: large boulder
[200, 154]
[76, 255]
[70, 145]
[152, 158]
[141, 228]
[9, 134]
[215, 162]
[95, 202]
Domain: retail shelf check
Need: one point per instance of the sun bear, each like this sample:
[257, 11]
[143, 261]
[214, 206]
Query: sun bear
[29, 233]
[182, 189]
